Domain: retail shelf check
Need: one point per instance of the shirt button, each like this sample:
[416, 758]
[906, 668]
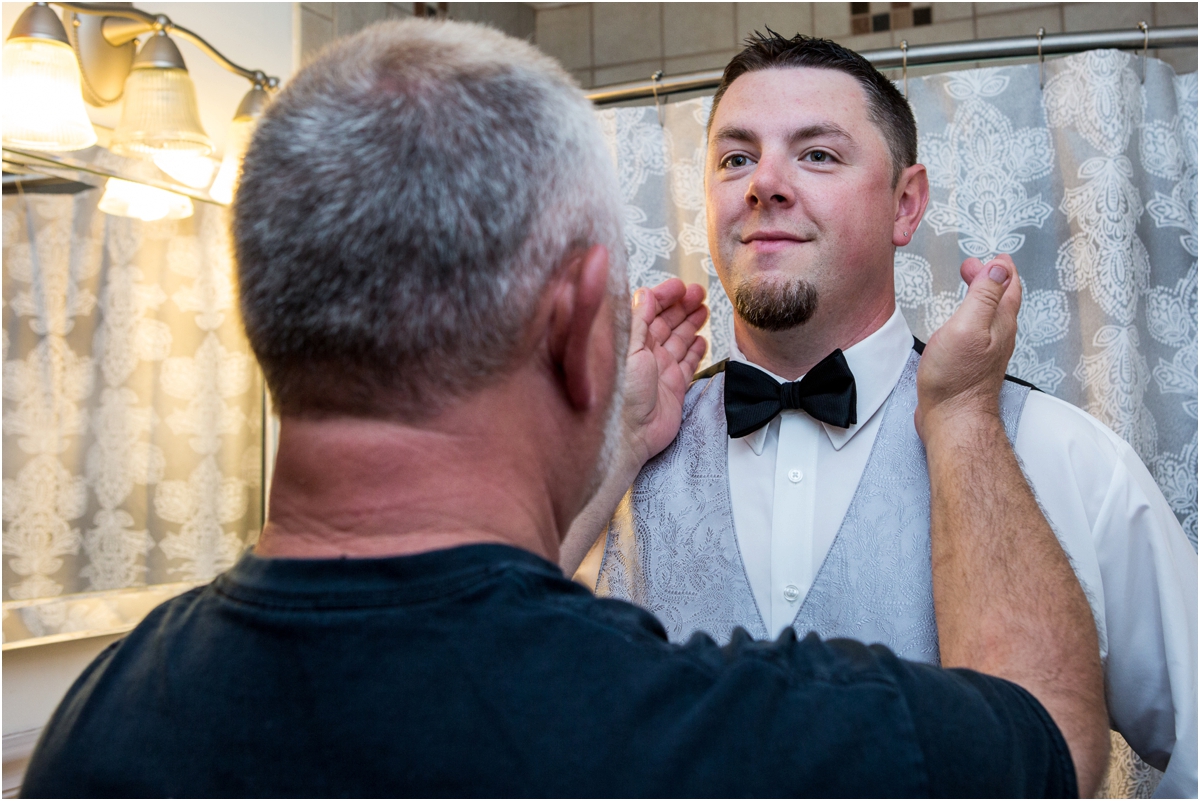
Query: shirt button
[791, 592]
[795, 476]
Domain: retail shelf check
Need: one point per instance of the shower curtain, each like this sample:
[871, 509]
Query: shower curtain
[1090, 184]
[132, 404]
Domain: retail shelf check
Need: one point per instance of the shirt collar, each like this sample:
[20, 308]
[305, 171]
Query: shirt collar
[876, 362]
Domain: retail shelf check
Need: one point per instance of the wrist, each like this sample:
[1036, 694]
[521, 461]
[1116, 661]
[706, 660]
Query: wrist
[947, 424]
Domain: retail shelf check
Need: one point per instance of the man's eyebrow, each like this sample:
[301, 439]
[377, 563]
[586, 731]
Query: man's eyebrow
[731, 132]
[818, 130]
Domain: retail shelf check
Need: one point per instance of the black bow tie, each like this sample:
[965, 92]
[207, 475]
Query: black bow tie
[753, 398]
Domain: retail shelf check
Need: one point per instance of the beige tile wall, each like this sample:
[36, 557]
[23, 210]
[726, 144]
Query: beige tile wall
[605, 43]
[321, 23]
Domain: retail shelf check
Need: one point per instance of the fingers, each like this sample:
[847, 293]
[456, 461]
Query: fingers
[670, 317]
[691, 362]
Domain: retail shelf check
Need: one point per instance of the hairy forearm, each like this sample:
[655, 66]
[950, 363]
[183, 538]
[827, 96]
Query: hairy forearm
[1006, 599]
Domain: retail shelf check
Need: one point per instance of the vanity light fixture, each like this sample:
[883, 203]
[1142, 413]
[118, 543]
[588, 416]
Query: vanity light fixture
[92, 55]
[43, 106]
[147, 203]
[159, 114]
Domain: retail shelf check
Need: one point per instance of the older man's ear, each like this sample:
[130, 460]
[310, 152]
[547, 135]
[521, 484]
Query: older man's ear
[579, 292]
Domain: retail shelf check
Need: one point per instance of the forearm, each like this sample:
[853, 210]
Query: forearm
[1006, 598]
[592, 521]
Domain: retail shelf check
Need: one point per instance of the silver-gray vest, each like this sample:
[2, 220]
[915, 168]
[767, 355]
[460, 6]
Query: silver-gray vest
[672, 549]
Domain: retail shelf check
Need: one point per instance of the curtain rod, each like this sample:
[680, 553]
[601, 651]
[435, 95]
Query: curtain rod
[920, 55]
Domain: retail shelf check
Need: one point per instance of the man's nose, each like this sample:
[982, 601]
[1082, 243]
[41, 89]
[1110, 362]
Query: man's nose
[769, 186]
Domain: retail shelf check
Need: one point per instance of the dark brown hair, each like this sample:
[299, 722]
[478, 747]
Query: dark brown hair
[886, 106]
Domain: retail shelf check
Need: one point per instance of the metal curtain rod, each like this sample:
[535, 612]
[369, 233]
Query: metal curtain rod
[948, 53]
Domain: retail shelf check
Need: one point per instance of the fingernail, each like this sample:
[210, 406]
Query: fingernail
[639, 298]
[998, 274]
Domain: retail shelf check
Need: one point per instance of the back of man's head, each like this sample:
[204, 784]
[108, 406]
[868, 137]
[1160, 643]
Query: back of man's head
[403, 204]
[887, 107]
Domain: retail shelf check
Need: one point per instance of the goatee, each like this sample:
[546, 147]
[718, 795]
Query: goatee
[775, 306]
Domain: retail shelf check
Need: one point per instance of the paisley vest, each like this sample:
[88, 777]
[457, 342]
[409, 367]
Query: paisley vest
[672, 549]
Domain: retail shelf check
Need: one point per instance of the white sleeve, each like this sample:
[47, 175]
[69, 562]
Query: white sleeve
[1139, 571]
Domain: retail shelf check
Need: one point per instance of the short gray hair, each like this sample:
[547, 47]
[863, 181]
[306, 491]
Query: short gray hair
[402, 207]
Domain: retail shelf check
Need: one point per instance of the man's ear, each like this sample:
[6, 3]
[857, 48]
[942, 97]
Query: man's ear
[912, 196]
[575, 318]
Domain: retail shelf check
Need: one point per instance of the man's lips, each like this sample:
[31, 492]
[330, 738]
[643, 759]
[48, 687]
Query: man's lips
[763, 241]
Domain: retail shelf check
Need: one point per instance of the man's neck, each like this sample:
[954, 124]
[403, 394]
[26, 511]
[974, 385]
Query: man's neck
[374, 488]
[792, 353]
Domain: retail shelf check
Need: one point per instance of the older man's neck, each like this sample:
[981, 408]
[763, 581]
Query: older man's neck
[368, 488]
[794, 352]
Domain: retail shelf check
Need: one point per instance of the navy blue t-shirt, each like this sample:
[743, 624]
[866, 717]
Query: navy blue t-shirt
[482, 671]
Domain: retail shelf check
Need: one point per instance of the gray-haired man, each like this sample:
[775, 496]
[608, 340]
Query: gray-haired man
[431, 274]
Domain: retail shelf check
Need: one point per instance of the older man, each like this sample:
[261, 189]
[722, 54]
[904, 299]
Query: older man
[806, 507]
[424, 231]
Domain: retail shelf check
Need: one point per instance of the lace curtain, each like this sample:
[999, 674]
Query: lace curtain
[1090, 184]
[132, 404]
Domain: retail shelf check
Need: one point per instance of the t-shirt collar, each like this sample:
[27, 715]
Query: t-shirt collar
[876, 362]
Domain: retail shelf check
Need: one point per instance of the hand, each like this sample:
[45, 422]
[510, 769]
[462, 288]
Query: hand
[664, 352]
[962, 369]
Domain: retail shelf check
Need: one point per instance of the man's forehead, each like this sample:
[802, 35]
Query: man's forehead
[780, 87]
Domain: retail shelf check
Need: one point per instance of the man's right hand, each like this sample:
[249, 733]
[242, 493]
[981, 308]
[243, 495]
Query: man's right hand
[664, 352]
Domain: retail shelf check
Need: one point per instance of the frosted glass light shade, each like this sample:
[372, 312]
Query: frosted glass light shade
[127, 199]
[159, 114]
[186, 167]
[43, 104]
[241, 131]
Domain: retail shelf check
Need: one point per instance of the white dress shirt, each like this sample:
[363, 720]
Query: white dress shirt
[791, 483]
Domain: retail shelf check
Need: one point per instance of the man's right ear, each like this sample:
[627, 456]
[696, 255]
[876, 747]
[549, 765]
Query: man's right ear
[575, 315]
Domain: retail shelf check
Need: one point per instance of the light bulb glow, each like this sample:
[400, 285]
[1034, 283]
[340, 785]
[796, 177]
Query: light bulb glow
[148, 203]
[159, 114]
[189, 169]
[43, 104]
[241, 130]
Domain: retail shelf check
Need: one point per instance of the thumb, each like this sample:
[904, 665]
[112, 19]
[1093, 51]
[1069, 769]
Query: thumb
[645, 307]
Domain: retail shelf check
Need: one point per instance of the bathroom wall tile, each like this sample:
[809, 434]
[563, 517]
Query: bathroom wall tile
[698, 63]
[831, 20]
[868, 41]
[584, 77]
[350, 18]
[1174, 14]
[315, 33]
[323, 9]
[566, 34]
[959, 31]
[786, 19]
[997, 8]
[399, 10]
[697, 28]
[624, 32]
[515, 19]
[945, 12]
[1106, 16]
[1019, 23]
[636, 71]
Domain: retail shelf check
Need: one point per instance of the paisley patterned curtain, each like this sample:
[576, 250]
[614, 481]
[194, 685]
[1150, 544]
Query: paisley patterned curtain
[132, 406]
[1090, 183]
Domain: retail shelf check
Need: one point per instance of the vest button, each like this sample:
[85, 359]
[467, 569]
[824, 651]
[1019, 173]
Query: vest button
[791, 592]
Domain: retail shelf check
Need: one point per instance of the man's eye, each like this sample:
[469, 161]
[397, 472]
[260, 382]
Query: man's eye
[819, 156]
[735, 161]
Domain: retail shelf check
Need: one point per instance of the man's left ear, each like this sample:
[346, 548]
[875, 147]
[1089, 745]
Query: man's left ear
[576, 316]
[912, 196]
